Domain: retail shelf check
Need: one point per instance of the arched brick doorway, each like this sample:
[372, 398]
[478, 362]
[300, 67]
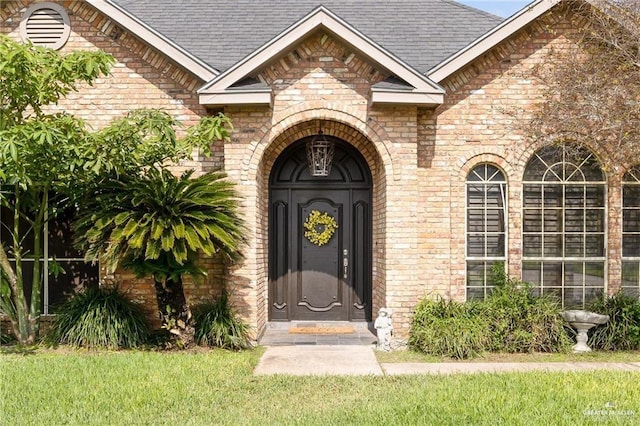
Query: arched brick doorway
[323, 282]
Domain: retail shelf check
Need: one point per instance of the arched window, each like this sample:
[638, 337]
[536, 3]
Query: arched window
[564, 224]
[631, 232]
[486, 227]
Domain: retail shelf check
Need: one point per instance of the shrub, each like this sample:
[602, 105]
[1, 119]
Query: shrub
[6, 339]
[447, 328]
[522, 322]
[511, 319]
[99, 318]
[216, 324]
[622, 331]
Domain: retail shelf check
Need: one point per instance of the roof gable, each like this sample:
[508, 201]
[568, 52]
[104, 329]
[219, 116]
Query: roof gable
[155, 39]
[491, 39]
[224, 89]
[222, 33]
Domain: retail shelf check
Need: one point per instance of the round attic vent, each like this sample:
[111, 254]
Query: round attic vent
[45, 24]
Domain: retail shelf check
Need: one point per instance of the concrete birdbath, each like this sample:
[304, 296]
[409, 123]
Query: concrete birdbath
[583, 321]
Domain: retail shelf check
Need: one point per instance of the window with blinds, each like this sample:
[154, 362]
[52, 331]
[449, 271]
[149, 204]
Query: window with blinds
[631, 232]
[486, 231]
[564, 224]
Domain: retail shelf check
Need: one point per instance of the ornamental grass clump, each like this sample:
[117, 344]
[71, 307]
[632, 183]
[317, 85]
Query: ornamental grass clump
[523, 323]
[622, 331]
[448, 329]
[510, 320]
[6, 339]
[99, 318]
[217, 325]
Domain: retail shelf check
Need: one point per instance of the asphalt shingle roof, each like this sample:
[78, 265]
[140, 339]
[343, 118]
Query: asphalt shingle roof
[222, 32]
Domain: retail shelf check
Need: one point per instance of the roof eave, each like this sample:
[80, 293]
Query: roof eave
[236, 97]
[155, 39]
[403, 97]
[491, 39]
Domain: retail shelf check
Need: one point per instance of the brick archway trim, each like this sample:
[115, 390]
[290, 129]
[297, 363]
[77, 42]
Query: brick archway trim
[465, 165]
[295, 117]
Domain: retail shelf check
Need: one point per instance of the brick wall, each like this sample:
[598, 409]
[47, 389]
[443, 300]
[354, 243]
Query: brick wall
[480, 121]
[321, 83]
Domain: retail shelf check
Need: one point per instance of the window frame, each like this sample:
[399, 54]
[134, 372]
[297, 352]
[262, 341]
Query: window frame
[546, 263]
[631, 178]
[485, 180]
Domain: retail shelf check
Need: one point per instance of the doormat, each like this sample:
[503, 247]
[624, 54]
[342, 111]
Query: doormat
[321, 330]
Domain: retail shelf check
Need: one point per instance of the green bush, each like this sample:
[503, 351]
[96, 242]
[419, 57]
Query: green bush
[216, 324]
[511, 320]
[6, 339]
[99, 318]
[622, 331]
[448, 328]
[521, 322]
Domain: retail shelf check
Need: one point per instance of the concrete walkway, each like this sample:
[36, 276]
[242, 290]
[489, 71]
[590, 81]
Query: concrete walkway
[360, 360]
[339, 360]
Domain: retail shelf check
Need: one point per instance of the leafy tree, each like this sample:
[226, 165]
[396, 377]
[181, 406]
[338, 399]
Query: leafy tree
[593, 85]
[50, 161]
[156, 223]
[38, 156]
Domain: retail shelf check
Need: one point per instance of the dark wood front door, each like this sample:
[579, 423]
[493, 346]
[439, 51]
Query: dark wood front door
[311, 281]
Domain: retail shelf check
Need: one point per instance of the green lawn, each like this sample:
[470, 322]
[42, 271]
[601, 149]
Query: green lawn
[217, 387]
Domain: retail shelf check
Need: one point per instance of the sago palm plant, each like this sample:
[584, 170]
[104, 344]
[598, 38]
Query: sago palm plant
[158, 224]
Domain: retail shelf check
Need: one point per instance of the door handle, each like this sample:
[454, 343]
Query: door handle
[345, 264]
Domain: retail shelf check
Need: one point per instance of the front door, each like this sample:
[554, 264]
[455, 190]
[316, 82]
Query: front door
[321, 271]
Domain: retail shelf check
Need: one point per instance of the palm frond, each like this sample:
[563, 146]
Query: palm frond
[157, 221]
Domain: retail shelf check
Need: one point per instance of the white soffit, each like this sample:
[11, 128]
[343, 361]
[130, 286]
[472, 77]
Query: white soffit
[237, 98]
[413, 98]
[320, 18]
[491, 39]
[155, 39]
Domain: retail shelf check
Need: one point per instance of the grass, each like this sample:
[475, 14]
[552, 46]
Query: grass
[595, 356]
[217, 387]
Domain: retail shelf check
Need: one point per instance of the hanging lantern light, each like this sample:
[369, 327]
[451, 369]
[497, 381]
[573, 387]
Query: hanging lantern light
[320, 154]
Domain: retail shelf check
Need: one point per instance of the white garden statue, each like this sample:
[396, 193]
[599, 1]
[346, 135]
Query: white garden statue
[384, 329]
